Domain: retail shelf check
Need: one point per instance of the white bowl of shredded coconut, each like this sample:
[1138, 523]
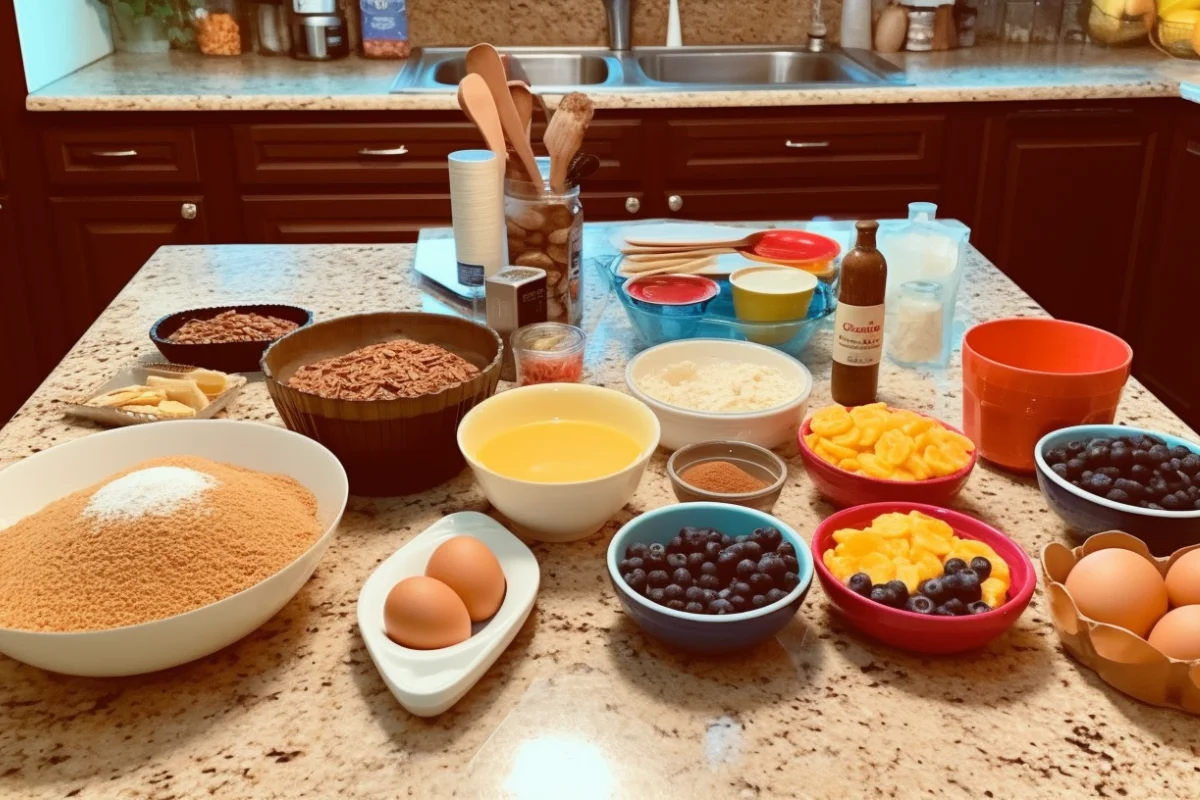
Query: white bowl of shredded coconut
[703, 389]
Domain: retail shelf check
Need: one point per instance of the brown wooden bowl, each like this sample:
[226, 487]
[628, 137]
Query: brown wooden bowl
[388, 447]
[223, 356]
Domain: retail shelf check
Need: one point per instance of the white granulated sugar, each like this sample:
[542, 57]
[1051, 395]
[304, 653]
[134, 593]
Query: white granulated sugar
[723, 387]
[156, 492]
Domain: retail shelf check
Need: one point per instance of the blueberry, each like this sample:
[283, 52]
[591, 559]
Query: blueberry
[693, 594]
[968, 586]
[1140, 472]
[1075, 467]
[1190, 464]
[676, 605]
[860, 583]
[707, 596]
[675, 545]
[1112, 472]
[637, 562]
[1099, 483]
[658, 578]
[675, 561]
[786, 549]
[954, 565]
[635, 550]
[656, 556]
[900, 589]
[1118, 496]
[708, 568]
[791, 563]
[1086, 476]
[775, 595]
[636, 580]
[714, 536]
[920, 604]
[712, 550]
[709, 582]
[657, 595]
[951, 585]
[1097, 455]
[746, 567]
[790, 581]
[942, 611]
[1131, 488]
[1180, 452]
[759, 537]
[727, 564]
[1057, 456]
[1142, 458]
[720, 607]
[740, 587]
[758, 601]
[752, 550]
[774, 537]
[760, 583]
[741, 539]
[882, 595]
[682, 576]
[982, 567]
[694, 562]
[1159, 453]
[1060, 470]
[1074, 448]
[955, 606]
[694, 539]
[674, 592]
[933, 589]
[978, 607]
[725, 594]
[1121, 457]
[772, 565]
[739, 602]
[1170, 502]
[694, 608]
[726, 541]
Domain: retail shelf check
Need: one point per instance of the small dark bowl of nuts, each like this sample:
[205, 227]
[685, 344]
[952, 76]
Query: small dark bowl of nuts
[226, 338]
[1116, 478]
[709, 577]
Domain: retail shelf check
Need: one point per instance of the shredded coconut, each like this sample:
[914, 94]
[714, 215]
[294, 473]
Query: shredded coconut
[723, 387]
[157, 491]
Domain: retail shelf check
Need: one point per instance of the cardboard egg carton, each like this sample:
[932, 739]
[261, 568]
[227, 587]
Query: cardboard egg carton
[1122, 659]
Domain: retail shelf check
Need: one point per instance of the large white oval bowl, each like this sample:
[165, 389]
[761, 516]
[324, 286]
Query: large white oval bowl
[31, 484]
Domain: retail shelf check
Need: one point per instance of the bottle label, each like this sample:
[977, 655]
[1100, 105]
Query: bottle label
[858, 335]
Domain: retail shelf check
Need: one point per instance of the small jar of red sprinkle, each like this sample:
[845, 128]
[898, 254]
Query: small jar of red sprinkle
[548, 352]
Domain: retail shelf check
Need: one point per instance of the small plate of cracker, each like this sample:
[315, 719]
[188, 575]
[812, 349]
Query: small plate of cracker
[157, 392]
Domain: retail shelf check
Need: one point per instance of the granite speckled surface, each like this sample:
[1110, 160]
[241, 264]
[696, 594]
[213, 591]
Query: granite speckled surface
[581, 704]
[182, 82]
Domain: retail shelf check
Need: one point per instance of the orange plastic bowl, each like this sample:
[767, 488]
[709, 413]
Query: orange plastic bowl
[1025, 377]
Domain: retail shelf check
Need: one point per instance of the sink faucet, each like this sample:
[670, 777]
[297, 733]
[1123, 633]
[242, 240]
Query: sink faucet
[816, 29]
[618, 23]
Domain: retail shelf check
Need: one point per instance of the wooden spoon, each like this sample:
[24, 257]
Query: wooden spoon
[484, 61]
[476, 102]
[564, 136]
[523, 99]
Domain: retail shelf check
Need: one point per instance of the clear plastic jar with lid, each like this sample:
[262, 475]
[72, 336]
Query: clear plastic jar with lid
[272, 32]
[548, 352]
[918, 326]
[545, 230]
[221, 27]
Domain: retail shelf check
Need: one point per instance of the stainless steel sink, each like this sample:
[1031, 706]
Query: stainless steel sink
[721, 68]
[437, 69]
[553, 70]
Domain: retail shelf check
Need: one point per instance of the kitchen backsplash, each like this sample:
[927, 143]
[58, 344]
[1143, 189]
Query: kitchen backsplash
[434, 23]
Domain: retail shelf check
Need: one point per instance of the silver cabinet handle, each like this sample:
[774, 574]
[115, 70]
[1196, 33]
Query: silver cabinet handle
[633, 205]
[390, 151]
[115, 153]
[674, 202]
[805, 145]
[188, 211]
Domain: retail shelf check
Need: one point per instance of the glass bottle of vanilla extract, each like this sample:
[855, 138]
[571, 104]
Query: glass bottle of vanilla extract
[858, 321]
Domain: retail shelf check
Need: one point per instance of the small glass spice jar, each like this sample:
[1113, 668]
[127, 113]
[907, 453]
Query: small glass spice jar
[918, 326]
[272, 31]
[221, 27]
[545, 230]
[548, 352]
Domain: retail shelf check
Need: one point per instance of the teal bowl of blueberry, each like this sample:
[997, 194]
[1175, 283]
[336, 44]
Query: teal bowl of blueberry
[709, 578]
[1116, 478]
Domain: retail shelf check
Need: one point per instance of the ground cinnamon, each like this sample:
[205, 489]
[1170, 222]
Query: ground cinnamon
[722, 477]
[111, 555]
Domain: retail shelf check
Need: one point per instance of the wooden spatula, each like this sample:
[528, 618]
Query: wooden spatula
[476, 102]
[564, 136]
[523, 100]
[484, 61]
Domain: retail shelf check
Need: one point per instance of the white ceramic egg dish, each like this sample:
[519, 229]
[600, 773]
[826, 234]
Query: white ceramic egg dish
[427, 682]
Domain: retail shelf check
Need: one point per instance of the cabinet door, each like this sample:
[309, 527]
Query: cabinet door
[848, 202]
[18, 363]
[343, 219]
[104, 241]
[1062, 203]
[1165, 355]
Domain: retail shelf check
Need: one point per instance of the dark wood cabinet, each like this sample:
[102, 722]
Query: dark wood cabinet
[18, 360]
[103, 241]
[121, 155]
[336, 219]
[1166, 357]
[1063, 204]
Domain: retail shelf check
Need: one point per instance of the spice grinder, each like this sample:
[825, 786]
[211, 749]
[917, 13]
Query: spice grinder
[318, 31]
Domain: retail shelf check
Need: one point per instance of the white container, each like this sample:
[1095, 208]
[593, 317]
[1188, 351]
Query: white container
[477, 210]
[856, 24]
[427, 682]
[30, 485]
[558, 512]
[770, 428]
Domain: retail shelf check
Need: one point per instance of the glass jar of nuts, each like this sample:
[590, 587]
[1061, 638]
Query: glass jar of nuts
[221, 27]
[545, 230]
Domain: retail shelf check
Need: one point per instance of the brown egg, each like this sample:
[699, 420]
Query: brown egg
[1178, 634]
[1119, 587]
[425, 614]
[468, 567]
[1183, 580]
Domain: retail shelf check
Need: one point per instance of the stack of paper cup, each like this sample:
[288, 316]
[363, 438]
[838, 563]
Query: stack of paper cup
[477, 206]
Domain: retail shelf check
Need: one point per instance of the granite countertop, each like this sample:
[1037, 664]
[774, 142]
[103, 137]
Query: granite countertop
[582, 704]
[189, 82]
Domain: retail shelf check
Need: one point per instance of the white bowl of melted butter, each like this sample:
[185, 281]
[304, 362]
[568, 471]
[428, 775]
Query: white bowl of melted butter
[559, 459]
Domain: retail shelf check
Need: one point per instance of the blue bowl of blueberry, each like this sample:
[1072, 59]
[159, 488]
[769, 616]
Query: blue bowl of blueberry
[709, 577]
[1116, 478]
